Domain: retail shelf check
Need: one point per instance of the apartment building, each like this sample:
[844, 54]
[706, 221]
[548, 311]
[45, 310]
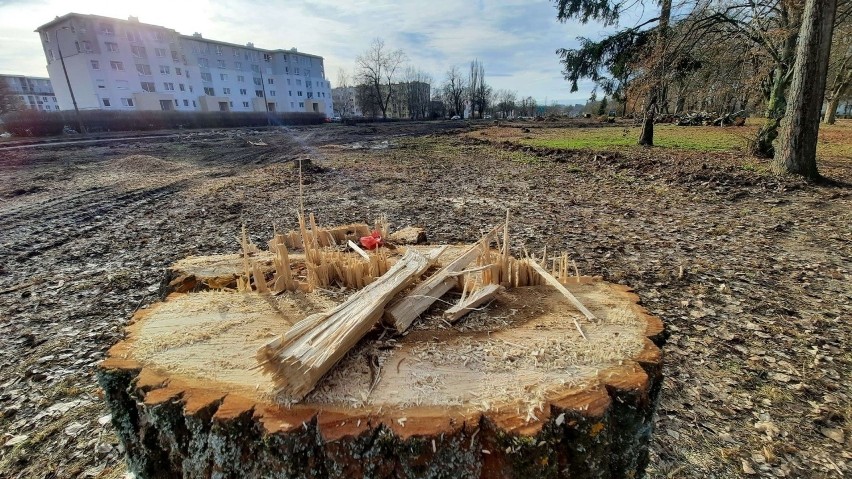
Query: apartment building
[115, 64]
[21, 92]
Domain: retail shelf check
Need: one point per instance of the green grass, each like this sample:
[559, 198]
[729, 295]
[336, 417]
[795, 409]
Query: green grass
[667, 136]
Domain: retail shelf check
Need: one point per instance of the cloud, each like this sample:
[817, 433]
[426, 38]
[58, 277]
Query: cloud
[515, 39]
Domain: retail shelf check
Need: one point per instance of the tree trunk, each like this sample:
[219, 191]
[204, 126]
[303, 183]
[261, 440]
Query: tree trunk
[646, 137]
[799, 129]
[188, 400]
[831, 110]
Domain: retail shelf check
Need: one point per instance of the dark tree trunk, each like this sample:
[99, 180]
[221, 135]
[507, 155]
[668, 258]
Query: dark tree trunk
[797, 140]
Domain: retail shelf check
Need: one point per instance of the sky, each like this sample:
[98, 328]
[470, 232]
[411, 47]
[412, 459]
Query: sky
[516, 40]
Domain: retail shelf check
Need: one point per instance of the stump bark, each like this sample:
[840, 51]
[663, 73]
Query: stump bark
[511, 391]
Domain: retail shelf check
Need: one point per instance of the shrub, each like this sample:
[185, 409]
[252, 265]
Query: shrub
[38, 123]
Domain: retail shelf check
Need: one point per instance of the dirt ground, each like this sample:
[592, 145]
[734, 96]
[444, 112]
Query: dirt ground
[750, 273]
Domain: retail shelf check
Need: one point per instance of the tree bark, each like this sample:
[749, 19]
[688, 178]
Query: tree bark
[799, 129]
[646, 137]
[831, 110]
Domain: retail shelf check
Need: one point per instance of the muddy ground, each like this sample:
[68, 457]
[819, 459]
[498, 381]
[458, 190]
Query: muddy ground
[750, 273]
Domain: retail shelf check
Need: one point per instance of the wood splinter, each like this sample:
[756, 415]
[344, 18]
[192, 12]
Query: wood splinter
[478, 297]
[562, 289]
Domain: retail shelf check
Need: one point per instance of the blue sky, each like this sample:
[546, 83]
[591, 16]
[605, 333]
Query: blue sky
[515, 39]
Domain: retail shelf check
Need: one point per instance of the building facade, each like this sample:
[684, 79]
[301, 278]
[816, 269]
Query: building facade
[27, 93]
[117, 64]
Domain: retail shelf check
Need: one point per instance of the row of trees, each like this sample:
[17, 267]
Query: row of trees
[726, 55]
[385, 85]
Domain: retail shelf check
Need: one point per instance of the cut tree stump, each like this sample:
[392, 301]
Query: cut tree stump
[514, 391]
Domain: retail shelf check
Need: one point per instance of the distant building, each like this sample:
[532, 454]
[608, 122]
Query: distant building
[407, 100]
[344, 102]
[19, 92]
[117, 64]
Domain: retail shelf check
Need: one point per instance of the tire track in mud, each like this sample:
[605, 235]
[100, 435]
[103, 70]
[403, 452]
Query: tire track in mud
[33, 232]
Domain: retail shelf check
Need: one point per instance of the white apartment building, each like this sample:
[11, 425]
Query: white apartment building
[28, 93]
[115, 64]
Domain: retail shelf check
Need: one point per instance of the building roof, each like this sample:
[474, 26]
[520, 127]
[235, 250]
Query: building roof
[61, 19]
[23, 76]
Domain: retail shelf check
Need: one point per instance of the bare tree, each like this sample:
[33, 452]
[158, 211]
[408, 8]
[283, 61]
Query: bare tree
[797, 137]
[839, 71]
[417, 88]
[377, 69]
[478, 90]
[9, 99]
[455, 88]
[343, 97]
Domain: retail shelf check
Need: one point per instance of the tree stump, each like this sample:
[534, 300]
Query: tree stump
[512, 390]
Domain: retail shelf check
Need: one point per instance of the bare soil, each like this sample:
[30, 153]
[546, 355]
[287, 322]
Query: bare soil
[750, 272]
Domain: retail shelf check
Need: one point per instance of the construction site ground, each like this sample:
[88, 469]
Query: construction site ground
[750, 272]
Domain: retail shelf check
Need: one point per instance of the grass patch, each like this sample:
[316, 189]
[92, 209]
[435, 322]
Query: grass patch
[668, 136]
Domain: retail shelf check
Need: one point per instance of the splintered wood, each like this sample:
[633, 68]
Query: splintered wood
[299, 358]
[404, 312]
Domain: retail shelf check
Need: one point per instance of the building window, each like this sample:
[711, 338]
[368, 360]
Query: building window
[165, 69]
[231, 104]
[96, 65]
[177, 71]
[299, 93]
[101, 83]
[258, 93]
[220, 63]
[310, 94]
[107, 29]
[186, 103]
[161, 52]
[106, 102]
[182, 87]
[270, 81]
[121, 84]
[137, 51]
[297, 71]
[238, 65]
[166, 105]
[206, 77]
[169, 86]
[204, 62]
[219, 49]
[132, 36]
[143, 69]
[176, 103]
[288, 81]
[226, 91]
[301, 105]
[245, 104]
[148, 86]
[290, 92]
[174, 55]
[257, 81]
[127, 102]
[299, 82]
[255, 68]
[159, 36]
[271, 92]
[50, 55]
[223, 76]
[87, 46]
[193, 104]
[111, 46]
[191, 89]
[236, 52]
[243, 91]
[209, 91]
[292, 105]
[117, 66]
[241, 78]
